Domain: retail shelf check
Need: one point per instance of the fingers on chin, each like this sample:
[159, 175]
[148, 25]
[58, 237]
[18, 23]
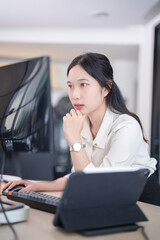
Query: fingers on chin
[73, 112]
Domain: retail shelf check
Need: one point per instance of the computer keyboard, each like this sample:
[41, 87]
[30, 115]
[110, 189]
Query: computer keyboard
[35, 200]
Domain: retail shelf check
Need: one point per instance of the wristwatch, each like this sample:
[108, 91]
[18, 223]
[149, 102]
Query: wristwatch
[77, 147]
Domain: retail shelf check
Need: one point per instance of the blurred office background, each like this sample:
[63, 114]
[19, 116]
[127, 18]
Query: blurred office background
[128, 32]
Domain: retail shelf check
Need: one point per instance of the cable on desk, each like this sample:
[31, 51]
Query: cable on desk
[2, 156]
[144, 233]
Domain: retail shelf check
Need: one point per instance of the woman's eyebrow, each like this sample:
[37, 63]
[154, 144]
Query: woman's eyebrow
[80, 80]
[68, 82]
[83, 79]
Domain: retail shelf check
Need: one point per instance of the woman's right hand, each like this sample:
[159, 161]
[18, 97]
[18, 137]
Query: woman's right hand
[28, 186]
[73, 123]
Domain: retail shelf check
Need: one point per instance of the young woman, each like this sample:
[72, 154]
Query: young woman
[100, 130]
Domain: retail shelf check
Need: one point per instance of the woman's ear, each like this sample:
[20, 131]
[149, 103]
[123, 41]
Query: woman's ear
[105, 91]
[108, 88]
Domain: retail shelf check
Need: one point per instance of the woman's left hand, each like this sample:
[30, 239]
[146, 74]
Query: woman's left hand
[72, 125]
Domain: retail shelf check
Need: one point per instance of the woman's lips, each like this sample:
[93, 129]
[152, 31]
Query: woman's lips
[78, 106]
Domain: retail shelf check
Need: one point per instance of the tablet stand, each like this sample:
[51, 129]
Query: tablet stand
[100, 220]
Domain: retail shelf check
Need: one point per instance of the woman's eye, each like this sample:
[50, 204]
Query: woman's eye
[70, 86]
[84, 84]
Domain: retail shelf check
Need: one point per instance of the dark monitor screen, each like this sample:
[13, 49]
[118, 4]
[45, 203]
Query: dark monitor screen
[26, 124]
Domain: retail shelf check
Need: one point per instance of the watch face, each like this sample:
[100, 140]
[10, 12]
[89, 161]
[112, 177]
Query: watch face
[77, 147]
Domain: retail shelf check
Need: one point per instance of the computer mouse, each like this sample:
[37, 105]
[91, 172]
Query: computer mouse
[14, 189]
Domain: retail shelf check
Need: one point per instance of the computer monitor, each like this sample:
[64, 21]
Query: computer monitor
[26, 124]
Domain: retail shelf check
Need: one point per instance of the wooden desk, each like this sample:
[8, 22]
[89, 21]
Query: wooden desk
[40, 226]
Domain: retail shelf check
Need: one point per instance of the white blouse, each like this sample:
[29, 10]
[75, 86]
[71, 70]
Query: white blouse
[119, 143]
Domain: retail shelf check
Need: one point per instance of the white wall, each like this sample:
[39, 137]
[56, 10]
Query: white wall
[145, 75]
[125, 75]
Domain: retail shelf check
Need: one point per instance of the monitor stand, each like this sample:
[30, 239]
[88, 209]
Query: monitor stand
[13, 212]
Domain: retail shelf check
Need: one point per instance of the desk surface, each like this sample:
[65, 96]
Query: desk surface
[40, 226]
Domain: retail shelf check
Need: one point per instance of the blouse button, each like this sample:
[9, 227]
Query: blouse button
[95, 144]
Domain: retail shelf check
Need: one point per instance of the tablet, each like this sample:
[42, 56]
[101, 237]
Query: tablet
[94, 201]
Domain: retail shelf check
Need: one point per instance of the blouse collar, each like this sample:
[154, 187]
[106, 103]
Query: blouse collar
[103, 132]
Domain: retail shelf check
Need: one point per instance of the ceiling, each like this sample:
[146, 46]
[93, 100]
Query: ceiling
[73, 13]
[67, 14]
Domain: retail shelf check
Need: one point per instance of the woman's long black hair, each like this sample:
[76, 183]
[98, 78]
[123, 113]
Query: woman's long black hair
[99, 67]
